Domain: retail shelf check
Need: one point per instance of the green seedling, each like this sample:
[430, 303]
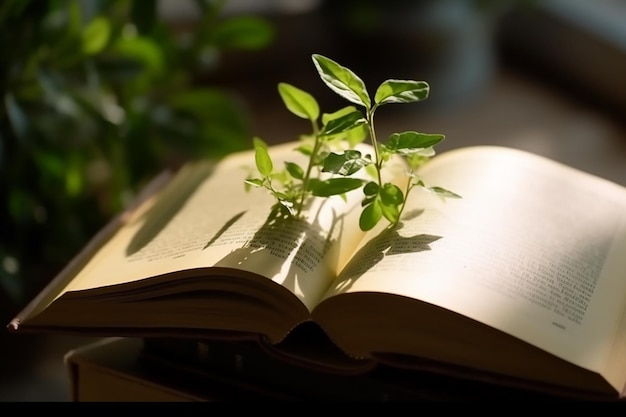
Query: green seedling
[332, 158]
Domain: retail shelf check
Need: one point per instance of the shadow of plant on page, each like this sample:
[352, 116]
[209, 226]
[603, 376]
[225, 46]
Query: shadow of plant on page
[298, 253]
[224, 228]
[170, 201]
[387, 243]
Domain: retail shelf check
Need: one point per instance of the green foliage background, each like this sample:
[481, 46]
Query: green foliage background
[99, 96]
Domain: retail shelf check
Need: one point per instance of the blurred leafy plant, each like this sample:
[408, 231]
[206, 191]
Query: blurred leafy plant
[97, 98]
[331, 154]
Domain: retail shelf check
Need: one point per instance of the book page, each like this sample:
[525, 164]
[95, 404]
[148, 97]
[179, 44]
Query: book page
[206, 217]
[533, 248]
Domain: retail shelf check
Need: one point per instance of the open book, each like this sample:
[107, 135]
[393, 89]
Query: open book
[523, 278]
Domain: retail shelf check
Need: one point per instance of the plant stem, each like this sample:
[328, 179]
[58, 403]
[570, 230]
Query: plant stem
[407, 190]
[305, 181]
[378, 163]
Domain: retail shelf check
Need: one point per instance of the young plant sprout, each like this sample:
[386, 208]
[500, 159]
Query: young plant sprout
[330, 148]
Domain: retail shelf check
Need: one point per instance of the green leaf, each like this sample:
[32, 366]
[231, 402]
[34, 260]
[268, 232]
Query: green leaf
[143, 50]
[355, 135]
[343, 124]
[371, 170]
[257, 142]
[401, 91]
[262, 157]
[333, 186]
[346, 163]
[371, 188]
[390, 212]
[370, 216]
[282, 197]
[418, 159]
[368, 200]
[96, 35]
[342, 81]
[327, 117]
[391, 194]
[391, 198]
[411, 142]
[299, 102]
[295, 170]
[254, 181]
[305, 148]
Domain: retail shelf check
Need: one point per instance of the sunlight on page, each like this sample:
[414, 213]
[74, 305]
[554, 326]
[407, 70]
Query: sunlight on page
[189, 230]
[526, 266]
